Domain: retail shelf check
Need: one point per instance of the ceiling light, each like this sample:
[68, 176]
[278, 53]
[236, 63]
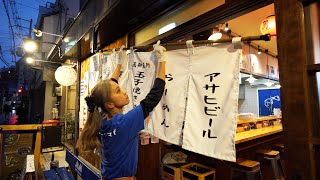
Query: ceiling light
[259, 50]
[251, 79]
[166, 28]
[215, 36]
[226, 28]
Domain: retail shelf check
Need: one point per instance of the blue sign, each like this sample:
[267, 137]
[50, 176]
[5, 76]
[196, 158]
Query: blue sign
[268, 100]
[80, 167]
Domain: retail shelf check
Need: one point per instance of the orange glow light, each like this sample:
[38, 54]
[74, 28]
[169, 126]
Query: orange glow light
[268, 26]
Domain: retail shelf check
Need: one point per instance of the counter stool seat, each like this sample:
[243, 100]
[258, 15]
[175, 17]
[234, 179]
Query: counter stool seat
[278, 147]
[268, 153]
[272, 156]
[249, 167]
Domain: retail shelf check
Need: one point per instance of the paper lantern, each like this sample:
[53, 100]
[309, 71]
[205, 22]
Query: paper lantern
[65, 75]
[268, 26]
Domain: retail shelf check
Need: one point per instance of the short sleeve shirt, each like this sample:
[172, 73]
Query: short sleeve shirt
[119, 139]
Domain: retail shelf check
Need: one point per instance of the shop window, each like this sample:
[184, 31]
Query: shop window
[181, 15]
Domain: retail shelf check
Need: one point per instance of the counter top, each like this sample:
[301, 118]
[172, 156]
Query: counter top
[257, 133]
[263, 118]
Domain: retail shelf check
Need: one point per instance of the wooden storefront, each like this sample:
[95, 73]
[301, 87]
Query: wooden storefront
[297, 27]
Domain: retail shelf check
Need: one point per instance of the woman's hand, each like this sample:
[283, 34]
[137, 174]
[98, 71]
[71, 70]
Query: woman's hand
[159, 52]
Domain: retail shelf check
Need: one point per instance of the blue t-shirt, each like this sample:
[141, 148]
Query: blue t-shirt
[119, 140]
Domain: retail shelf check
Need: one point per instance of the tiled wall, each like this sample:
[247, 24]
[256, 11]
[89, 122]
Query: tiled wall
[250, 103]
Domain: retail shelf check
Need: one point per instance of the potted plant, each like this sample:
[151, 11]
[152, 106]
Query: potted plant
[69, 121]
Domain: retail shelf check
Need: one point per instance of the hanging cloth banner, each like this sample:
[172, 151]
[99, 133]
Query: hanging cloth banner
[94, 71]
[125, 80]
[83, 111]
[212, 104]
[168, 116]
[143, 67]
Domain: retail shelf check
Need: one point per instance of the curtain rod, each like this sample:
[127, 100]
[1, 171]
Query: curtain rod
[243, 39]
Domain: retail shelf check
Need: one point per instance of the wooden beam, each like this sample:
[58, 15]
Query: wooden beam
[37, 151]
[1, 153]
[297, 118]
[313, 68]
[23, 127]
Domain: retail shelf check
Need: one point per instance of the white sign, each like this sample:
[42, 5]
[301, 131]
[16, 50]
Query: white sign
[65, 75]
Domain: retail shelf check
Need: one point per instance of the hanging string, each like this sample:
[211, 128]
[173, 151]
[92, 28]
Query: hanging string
[267, 63]
[250, 59]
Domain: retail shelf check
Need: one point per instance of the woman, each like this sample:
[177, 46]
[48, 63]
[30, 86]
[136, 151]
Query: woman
[118, 132]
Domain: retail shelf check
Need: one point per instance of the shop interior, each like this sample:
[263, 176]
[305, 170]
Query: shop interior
[259, 103]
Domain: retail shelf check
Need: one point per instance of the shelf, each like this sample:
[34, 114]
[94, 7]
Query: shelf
[256, 133]
[264, 118]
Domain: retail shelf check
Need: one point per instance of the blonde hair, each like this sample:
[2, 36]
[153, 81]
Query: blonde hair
[89, 140]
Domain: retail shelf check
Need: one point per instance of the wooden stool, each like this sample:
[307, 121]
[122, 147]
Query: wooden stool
[273, 157]
[280, 147]
[246, 166]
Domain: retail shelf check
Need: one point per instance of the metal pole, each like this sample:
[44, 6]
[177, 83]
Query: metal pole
[243, 39]
[30, 29]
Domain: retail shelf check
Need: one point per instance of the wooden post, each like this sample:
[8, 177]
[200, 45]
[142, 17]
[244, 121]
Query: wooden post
[295, 94]
[1, 153]
[37, 151]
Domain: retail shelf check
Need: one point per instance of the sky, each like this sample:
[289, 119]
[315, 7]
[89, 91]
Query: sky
[23, 9]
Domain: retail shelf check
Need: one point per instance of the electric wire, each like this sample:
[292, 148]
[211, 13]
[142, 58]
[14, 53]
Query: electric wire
[10, 27]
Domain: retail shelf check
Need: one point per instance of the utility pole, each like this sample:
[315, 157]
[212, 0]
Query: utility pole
[30, 27]
[30, 30]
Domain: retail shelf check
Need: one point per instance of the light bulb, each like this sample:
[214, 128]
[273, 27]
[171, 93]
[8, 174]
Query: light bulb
[215, 36]
[29, 60]
[30, 46]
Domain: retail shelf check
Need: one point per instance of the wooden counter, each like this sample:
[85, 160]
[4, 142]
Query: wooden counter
[257, 133]
[263, 118]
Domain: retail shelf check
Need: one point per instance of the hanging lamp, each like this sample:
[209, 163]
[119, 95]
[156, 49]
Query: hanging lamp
[251, 79]
[216, 34]
[268, 83]
[268, 26]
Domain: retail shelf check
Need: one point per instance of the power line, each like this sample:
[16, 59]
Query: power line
[15, 16]
[28, 6]
[10, 26]
[4, 61]
[43, 6]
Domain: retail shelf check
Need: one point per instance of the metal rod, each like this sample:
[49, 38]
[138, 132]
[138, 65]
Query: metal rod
[52, 34]
[243, 39]
[48, 61]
